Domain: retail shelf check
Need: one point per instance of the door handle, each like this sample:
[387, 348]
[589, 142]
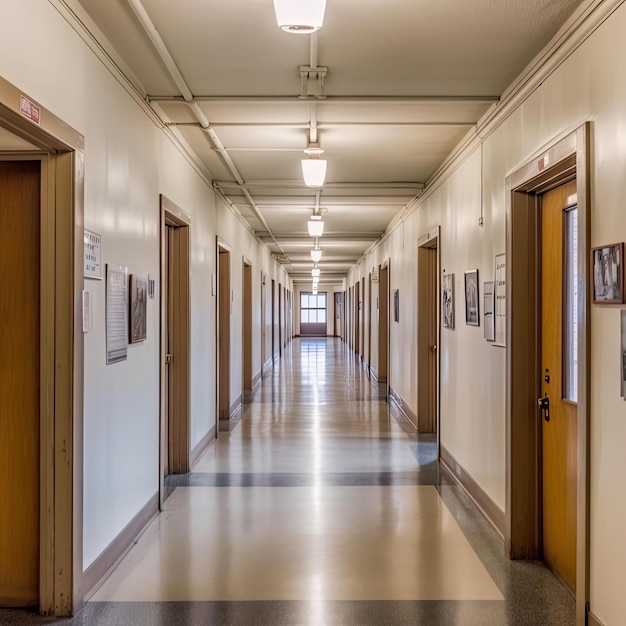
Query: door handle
[433, 348]
[544, 405]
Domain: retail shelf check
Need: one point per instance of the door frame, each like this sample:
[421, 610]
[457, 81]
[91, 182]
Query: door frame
[247, 299]
[222, 247]
[61, 151]
[170, 214]
[432, 239]
[384, 337]
[567, 158]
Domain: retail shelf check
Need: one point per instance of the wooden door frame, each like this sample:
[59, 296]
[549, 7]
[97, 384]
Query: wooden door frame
[222, 422]
[172, 215]
[61, 152]
[246, 329]
[432, 239]
[567, 158]
[384, 336]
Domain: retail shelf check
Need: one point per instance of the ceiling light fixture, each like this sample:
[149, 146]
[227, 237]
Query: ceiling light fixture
[316, 228]
[300, 17]
[315, 272]
[316, 255]
[314, 168]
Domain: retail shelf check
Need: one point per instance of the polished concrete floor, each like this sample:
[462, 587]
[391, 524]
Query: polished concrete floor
[321, 506]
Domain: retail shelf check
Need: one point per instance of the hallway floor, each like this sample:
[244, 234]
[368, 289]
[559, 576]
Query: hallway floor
[322, 506]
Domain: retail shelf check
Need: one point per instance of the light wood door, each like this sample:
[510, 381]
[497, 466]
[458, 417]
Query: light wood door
[427, 339]
[559, 434]
[19, 382]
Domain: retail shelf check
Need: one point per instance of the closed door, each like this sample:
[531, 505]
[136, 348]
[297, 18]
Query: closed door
[19, 382]
[427, 338]
[559, 380]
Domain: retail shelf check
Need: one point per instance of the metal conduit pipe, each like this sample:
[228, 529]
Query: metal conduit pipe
[178, 78]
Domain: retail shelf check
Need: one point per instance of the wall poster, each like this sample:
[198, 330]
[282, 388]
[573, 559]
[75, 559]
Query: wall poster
[500, 299]
[93, 255]
[116, 313]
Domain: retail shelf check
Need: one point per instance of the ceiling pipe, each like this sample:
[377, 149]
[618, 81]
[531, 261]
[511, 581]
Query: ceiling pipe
[180, 82]
[337, 99]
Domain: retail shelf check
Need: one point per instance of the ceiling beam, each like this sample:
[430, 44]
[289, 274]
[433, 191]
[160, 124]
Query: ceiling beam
[320, 125]
[412, 186]
[333, 99]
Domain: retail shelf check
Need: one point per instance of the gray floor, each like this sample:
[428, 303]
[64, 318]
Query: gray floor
[374, 449]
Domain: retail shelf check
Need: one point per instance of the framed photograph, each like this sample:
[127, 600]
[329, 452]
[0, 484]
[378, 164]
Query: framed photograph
[396, 305]
[489, 311]
[138, 307]
[472, 309]
[447, 301]
[607, 274]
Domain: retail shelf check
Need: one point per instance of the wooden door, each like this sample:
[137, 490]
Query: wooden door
[167, 321]
[427, 339]
[559, 434]
[357, 317]
[19, 382]
[224, 303]
[383, 324]
[247, 331]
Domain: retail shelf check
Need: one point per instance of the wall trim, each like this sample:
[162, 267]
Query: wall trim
[397, 399]
[201, 447]
[492, 512]
[97, 573]
[236, 413]
[592, 620]
[267, 366]
[374, 374]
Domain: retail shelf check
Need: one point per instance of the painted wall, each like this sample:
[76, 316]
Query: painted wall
[586, 86]
[129, 161]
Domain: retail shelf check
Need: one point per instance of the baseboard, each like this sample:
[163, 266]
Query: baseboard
[256, 381]
[374, 375]
[592, 620]
[95, 575]
[267, 366]
[493, 513]
[201, 447]
[396, 398]
[227, 425]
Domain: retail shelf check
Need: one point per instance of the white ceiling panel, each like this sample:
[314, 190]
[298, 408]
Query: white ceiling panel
[406, 81]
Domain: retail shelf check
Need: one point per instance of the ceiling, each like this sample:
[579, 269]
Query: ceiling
[386, 88]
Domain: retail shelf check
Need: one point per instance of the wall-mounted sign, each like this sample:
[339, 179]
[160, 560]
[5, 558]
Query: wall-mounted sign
[93, 255]
[30, 110]
[116, 313]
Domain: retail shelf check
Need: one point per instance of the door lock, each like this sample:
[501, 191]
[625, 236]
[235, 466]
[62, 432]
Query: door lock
[544, 405]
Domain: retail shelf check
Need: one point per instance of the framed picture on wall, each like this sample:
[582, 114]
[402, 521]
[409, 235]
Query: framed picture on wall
[138, 308]
[472, 308]
[447, 301]
[607, 275]
[396, 305]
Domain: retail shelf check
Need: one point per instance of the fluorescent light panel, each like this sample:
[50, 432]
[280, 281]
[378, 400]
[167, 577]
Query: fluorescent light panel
[300, 17]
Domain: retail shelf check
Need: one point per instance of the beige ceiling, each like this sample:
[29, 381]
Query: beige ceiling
[405, 81]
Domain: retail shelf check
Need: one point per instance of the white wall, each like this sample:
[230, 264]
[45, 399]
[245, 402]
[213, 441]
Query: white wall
[587, 86]
[129, 161]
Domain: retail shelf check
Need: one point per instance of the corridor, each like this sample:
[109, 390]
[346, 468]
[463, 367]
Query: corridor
[322, 506]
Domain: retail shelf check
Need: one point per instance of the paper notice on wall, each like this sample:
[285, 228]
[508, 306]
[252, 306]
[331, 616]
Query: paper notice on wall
[116, 313]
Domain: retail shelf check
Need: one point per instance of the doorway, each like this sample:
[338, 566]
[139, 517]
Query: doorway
[548, 352]
[357, 316]
[175, 329]
[224, 303]
[363, 317]
[273, 319]
[337, 315]
[247, 331]
[41, 205]
[369, 322]
[263, 322]
[280, 319]
[383, 325]
[427, 332]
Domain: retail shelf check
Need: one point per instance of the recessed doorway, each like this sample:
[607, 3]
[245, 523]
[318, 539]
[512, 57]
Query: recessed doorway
[224, 304]
[246, 304]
